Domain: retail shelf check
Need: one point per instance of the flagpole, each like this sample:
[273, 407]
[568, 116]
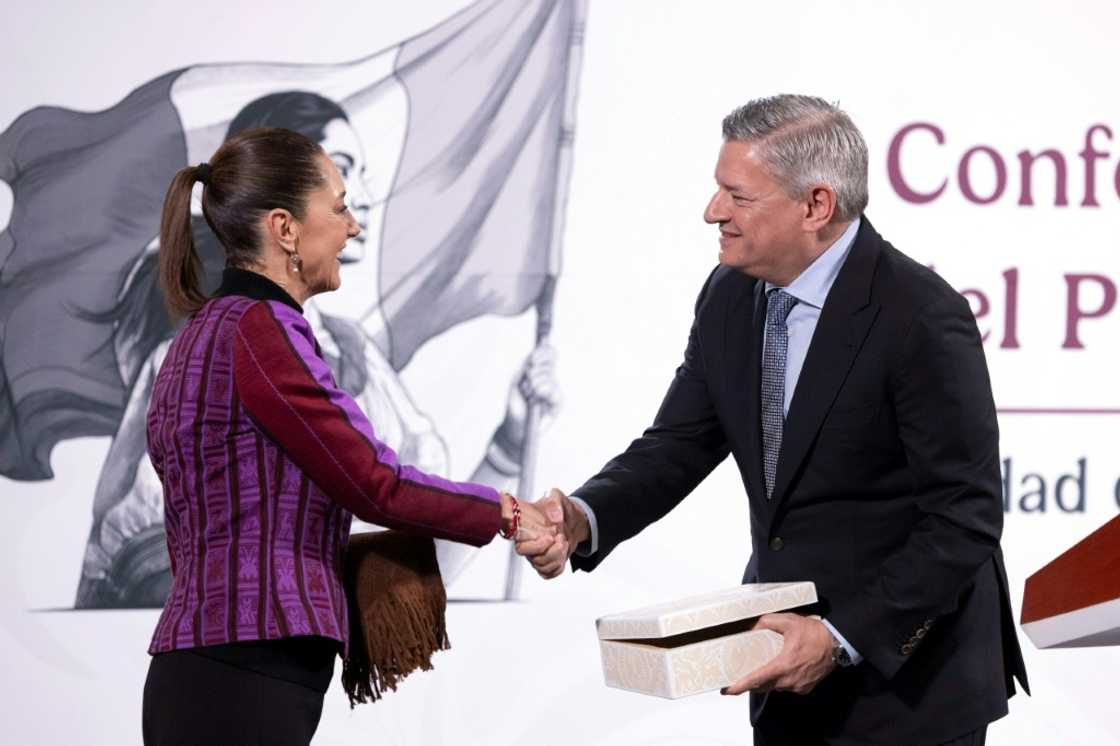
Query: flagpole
[525, 487]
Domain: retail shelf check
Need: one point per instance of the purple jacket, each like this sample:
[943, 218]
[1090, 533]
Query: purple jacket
[263, 461]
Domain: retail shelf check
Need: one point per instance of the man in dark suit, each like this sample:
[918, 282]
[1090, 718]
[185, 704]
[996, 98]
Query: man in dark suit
[850, 385]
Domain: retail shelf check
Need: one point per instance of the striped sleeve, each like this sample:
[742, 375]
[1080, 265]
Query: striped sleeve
[289, 391]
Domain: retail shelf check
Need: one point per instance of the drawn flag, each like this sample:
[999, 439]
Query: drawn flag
[461, 127]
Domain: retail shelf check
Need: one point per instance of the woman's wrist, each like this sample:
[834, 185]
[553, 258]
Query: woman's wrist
[511, 515]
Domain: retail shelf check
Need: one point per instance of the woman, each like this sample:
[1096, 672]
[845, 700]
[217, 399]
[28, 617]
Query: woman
[125, 563]
[264, 459]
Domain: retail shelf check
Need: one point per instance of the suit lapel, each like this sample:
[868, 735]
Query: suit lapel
[846, 318]
[743, 349]
[758, 326]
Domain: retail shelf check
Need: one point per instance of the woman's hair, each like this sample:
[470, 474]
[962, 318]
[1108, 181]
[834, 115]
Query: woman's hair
[140, 317]
[253, 172]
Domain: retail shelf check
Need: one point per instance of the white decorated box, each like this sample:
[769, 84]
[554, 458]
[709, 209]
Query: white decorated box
[696, 644]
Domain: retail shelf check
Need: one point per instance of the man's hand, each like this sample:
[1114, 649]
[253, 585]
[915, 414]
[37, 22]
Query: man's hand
[549, 554]
[533, 525]
[805, 658]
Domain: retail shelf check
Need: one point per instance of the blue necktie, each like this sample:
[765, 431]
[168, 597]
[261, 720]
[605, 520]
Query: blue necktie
[778, 305]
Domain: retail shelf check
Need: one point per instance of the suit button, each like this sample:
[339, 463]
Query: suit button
[776, 544]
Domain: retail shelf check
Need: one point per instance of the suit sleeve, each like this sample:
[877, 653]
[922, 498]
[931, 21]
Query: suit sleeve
[289, 392]
[659, 469]
[947, 424]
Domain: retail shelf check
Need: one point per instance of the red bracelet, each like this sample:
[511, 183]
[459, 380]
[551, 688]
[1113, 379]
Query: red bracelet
[515, 523]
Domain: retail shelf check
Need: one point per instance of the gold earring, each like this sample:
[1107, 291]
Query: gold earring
[294, 261]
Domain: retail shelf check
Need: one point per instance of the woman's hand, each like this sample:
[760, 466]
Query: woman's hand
[533, 523]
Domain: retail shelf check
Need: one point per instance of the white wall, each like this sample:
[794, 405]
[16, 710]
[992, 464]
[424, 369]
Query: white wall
[657, 78]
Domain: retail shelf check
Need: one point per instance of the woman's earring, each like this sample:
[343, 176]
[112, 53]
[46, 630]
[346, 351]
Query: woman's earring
[294, 261]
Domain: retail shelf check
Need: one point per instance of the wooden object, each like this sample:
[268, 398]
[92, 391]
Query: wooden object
[1074, 601]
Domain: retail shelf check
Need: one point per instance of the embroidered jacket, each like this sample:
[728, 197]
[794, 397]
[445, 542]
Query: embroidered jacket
[264, 460]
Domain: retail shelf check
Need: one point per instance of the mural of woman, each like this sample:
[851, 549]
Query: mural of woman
[125, 562]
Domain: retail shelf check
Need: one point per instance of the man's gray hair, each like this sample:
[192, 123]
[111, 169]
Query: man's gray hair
[804, 140]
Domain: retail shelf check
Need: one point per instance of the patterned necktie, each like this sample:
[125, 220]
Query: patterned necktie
[778, 305]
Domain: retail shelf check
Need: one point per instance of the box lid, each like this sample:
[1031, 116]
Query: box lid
[706, 610]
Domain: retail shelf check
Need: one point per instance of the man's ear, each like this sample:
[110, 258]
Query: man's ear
[819, 207]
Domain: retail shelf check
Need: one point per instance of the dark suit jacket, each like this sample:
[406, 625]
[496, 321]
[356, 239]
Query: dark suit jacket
[887, 496]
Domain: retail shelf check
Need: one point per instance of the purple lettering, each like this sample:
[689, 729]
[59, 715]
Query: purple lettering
[894, 165]
[1026, 163]
[966, 184]
[1075, 313]
[1011, 310]
[1091, 156]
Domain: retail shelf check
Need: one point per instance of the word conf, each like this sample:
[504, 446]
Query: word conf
[985, 161]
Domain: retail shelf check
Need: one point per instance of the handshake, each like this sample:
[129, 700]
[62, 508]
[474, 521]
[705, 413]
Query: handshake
[549, 531]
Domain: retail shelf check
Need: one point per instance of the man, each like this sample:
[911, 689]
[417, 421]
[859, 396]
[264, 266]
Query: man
[850, 384]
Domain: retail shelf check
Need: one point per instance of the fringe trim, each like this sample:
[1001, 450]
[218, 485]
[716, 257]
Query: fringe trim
[391, 640]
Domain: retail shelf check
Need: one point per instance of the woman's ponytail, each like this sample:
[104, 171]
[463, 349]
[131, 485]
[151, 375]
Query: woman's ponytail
[180, 268]
[253, 172]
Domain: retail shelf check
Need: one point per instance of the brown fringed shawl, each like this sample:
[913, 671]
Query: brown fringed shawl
[397, 603]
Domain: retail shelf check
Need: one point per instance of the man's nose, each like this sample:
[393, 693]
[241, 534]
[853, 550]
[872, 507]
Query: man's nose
[715, 212]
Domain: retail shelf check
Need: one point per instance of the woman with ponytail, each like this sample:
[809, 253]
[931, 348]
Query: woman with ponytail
[264, 461]
[124, 564]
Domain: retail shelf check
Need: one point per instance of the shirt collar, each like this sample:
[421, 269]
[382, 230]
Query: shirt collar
[812, 285]
[236, 281]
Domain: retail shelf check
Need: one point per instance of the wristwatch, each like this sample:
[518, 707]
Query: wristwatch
[840, 655]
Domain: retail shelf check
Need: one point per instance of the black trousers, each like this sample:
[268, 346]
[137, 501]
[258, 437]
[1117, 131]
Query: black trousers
[195, 697]
[763, 738]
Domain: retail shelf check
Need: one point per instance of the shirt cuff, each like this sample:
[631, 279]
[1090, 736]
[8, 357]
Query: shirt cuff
[852, 652]
[591, 546]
